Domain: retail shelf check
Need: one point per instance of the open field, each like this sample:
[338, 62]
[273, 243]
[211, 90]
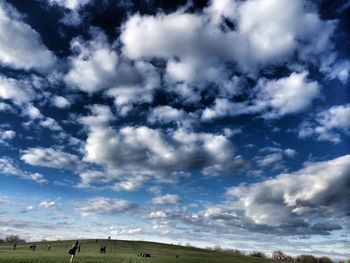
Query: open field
[117, 252]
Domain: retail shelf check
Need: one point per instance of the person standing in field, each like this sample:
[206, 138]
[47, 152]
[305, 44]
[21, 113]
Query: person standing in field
[73, 250]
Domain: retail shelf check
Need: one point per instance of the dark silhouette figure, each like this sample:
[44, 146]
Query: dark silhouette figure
[32, 246]
[49, 246]
[14, 246]
[103, 250]
[72, 251]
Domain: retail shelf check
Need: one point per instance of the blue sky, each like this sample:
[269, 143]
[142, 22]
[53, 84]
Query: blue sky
[218, 122]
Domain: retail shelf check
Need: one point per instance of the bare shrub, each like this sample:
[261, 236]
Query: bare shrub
[14, 239]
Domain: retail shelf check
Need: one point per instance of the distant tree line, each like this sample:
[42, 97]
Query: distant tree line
[278, 255]
[12, 239]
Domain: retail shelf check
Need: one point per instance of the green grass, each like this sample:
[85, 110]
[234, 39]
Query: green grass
[117, 252]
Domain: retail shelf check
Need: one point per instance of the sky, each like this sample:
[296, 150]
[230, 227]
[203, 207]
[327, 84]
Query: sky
[214, 123]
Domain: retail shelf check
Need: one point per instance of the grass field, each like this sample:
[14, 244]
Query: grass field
[117, 252]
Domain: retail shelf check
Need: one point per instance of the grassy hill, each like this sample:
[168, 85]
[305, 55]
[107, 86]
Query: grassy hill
[117, 251]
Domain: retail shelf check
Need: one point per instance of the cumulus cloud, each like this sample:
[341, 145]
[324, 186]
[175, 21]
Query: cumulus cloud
[69, 4]
[5, 107]
[168, 114]
[16, 91]
[151, 150]
[165, 199]
[205, 43]
[295, 201]
[60, 102]
[7, 167]
[96, 66]
[287, 95]
[20, 45]
[337, 69]
[290, 152]
[49, 157]
[50, 124]
[100, 116]
[327, 125]
[7, 135]
[271, 98]
[223, 108]
[32, 112]
[22, 93]
[131, 155]
[88, 178]
[104, 206]
[270, 159]
[274, 157]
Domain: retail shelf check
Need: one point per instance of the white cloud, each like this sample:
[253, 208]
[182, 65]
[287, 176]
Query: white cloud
[129, 183]
[287, 95]
[157, 214]
[90, 177]
[118, 231]
[274, 157]
[274, 29]
[28, 209]
[271, 98]
[96, 67]
[146, 149]
[224, 107]
[20, 45]
[336, 117]
[5, 107]
[60, 102]
[17, 91]
[168, 114]
[132, 155]
[72, 19]
[104, 206]
[290, 152]
[47, 204]
[165, 199]
[7, 135]
[135, 84]
[191, 43]
[69, 4]
[101, 115]
[49, 157]
[270, 159]
[50, 124]
[7, 167]
[114, 179]
[32, 112]
[328, 124]
[316, 191]
[336, 69]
